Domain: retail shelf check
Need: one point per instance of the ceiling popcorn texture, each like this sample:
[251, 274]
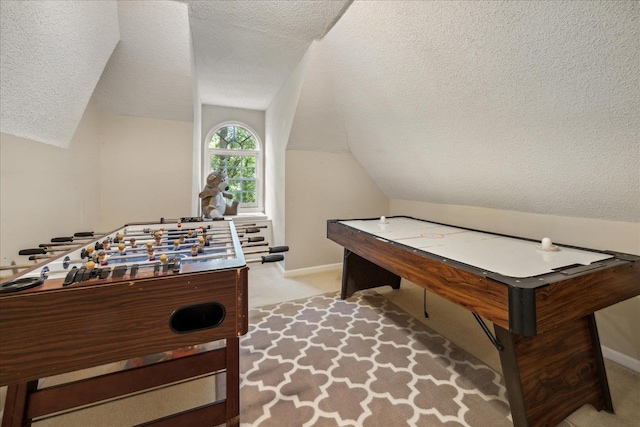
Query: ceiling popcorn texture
[51, 57]
[149, 73]
[523, 106]
[245, 50]
[531, 107]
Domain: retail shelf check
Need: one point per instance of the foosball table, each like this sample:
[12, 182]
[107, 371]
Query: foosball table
[140, 290]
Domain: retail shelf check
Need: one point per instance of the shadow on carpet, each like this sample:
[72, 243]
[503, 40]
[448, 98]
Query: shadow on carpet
[322, 361]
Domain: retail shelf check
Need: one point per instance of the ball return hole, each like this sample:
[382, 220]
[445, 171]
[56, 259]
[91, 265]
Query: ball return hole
[197, 317]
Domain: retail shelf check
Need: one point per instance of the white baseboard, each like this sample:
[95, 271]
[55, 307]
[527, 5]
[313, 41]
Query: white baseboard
[621, 359]
[311, 270]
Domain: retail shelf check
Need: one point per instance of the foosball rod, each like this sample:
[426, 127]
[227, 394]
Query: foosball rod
[142, 251]
[142, 264]
[69, 240]
[268, 258]
[16, 266]
[274, 249]
[91, 235]
[147, 231]
[44, 247]
[211, 232]
[209, 237]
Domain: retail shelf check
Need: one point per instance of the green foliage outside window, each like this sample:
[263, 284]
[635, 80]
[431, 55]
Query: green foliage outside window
[240, 167]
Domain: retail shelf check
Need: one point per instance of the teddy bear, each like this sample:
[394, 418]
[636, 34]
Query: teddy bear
[213, 197]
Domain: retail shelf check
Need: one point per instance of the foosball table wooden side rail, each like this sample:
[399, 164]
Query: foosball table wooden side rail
[84, 326]
[26, 402]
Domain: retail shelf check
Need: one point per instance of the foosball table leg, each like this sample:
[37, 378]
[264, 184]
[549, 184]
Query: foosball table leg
[15, 406]
[233, 381]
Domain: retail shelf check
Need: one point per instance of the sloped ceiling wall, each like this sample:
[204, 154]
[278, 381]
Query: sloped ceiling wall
[149, 73]
[245, 50]
[51, 57]
[531, 107]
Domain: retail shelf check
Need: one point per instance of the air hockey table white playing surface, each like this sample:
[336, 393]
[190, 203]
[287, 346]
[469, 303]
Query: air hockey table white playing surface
[508, 256]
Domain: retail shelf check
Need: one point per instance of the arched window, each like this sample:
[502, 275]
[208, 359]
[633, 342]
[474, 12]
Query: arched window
[235, 150]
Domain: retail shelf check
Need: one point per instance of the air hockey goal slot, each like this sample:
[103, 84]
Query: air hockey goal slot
[197, 317]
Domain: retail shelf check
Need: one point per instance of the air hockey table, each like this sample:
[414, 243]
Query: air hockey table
[75, 312]
[540, 297]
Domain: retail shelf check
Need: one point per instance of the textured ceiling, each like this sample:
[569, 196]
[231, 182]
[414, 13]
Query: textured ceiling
[520, 106]
[530, 107]
[245, 50]
[149, 73]
[51, 57]
[54, 57]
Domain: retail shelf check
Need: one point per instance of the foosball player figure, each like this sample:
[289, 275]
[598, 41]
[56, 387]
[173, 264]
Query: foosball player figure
[190, 233]
[121, 249]
[200, 244]
[194, 250]
[163, 258]
[106, 244]
[176, 245]
[182, 240]
[90, 265]
[132, 243]
[119, 238]
[149, 245]
[102, 258]
[159, 240]
[151, 254]
[91, 252]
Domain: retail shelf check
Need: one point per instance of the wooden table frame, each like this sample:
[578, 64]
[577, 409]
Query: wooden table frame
[88, 324]
[552, 361]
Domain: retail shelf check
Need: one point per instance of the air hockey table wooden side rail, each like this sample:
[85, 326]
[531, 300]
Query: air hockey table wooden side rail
[552, 361]
[55, 329]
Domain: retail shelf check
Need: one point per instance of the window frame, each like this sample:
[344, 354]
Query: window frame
[258, 152]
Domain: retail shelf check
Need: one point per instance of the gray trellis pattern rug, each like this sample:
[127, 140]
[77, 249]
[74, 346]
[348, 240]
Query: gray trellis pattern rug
[363, 361]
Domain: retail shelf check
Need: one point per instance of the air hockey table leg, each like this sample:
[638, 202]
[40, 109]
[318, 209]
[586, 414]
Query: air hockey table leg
[550, 375]
[359, 273]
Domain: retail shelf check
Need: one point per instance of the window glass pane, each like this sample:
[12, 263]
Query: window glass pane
[233, 138]
[241, 174]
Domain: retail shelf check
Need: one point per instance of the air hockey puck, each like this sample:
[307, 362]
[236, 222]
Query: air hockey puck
[21, 284]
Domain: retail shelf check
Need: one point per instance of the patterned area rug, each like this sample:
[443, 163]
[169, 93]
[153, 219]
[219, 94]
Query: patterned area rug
[360, 362]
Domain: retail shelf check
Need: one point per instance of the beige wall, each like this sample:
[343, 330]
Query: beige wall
[48, 191]
[322, 186]
[618, 324]
[278, 121]
[146, 169]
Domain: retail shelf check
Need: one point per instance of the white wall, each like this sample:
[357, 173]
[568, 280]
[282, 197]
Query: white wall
[278, 121]
[617, 324]
[48, 191]
[146, 170]
[322, 186]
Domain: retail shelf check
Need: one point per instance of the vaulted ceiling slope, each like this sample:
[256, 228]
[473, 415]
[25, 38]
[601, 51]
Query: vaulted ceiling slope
[54, 54]
[245, 50]
[51, 57]
[530, 107]
[149, 73]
